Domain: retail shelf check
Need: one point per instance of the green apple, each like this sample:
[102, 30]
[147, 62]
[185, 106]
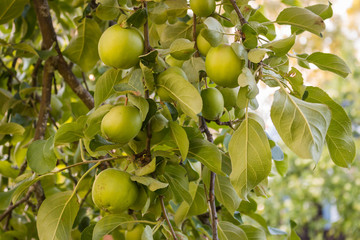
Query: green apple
[113, 191]
[120, 47]
[213, 103]
[121, 124]
[141, 200]
[203, 8]
[135, 233]
[203, 45]
[229, 95]
[223, 66]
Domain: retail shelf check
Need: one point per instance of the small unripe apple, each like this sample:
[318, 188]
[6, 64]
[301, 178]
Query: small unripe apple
[113, 191]
[203, 45]
[213, 103]
[135, 233]
[120, 47]
[203, 8]
[223, 66]
[121, 124]
[229, 95]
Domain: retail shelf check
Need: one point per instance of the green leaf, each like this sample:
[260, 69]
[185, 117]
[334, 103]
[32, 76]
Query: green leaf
[182, 49]
[293, 235]
[107, 9]
[329, 62]
[26, 48]
[108, 224]
[339, 137]
[147, 233]
[224, 191]
[138, 18]
[282, 46]
[174, 31]
[257, 54]
[253, 233]
[323, 10]
[134, 84]
[183, 210]
[87, 233]
[141, 104]
[56, 216]
[151, 183]
[301, 125]
[83, 49]
[11, 128]
[6, 170]
[104, 87]
[68, 133]
[260, 18]
[246, 78]
[301, 18]
[250, 157]
[214, 33]
[282, 166]
[147, 169]
[176, 176]
[10, 9]
[5, 198]
[207, 153]
[93, 122]
[180, 138]
[192, 67]
[41, 156]
[229, 231]
[187, 96]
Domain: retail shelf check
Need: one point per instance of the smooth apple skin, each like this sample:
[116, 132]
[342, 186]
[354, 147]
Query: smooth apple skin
[223, 66]
[203, 45]
[229, 95]
[120, 47]
[121, 124]
[113, 191]
[213, 103]
[203, 8]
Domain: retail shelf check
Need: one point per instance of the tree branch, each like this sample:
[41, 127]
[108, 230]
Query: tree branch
[148, 48]
[238, 12]
[213, 214]
[49, 38]
[48, 75]
[75, 85]
[167, 218]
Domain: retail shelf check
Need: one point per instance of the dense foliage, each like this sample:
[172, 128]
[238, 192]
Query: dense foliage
[165, 92]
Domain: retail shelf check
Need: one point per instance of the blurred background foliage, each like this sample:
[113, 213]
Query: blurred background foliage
[324, 200]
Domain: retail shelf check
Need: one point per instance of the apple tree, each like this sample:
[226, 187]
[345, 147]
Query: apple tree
[125, 119]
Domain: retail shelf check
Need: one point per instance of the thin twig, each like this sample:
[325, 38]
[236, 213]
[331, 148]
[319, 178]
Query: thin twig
[9, 71]
[223, 17]
[166, 217]
[213, 214]
[84, 80]
[238, 12]
[12, 207]
[197, 54]
[84, 198]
